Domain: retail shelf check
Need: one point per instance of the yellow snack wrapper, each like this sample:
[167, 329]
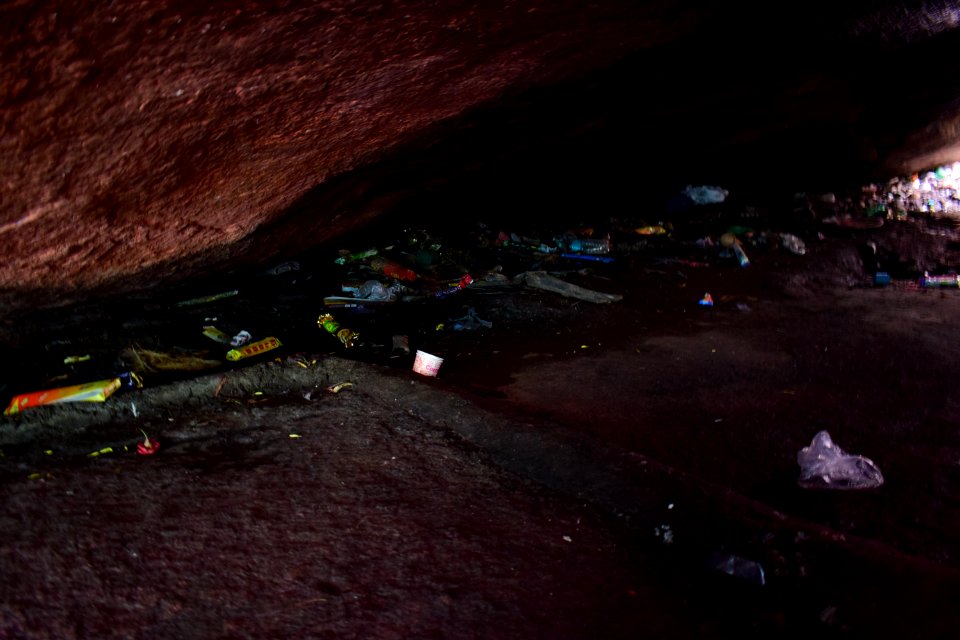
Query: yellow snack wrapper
[253, 349]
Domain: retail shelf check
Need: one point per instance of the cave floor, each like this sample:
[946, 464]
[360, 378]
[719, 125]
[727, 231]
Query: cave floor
[575, 471]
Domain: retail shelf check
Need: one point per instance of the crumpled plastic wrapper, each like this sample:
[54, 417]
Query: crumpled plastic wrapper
[824, 465]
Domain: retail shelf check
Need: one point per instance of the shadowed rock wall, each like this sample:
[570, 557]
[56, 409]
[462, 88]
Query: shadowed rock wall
[142, 142]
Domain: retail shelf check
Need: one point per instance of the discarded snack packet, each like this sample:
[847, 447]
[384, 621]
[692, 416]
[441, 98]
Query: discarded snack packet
[216, 335]
[347, 336]
[252, 349]
[353, 257]
[90, 392]
[206, 299]
[655, 230]
[130, 380]
[454, 287]
[337, 388]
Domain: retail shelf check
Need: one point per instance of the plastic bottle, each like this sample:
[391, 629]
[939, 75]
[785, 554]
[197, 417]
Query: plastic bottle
[392, 269]
[347, 336]
[590, 246]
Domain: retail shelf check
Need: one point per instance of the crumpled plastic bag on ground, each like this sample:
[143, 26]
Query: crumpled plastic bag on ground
[542, 280]
[824, 465]
[705, 194]
[471, 322]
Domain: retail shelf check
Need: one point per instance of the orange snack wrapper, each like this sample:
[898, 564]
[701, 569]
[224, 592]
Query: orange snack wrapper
[90, 392]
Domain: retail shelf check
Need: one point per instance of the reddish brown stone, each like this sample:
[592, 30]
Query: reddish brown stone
[143, 141]
[144, 133]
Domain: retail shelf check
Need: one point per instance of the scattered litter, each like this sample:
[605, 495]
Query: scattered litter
[793, 244]
[301, 361]
[824, 465]
[470, 322]
[392, 269]
[542, 280]
[90, 392]
[376, 291]
[348, 337]
[148, 447]
[881, 278]
[664, 533]
[254, 349]
[133, 409]
[935, 192]
[337, 388]
[656, 230]
[730, 241]
[130, 380]
[427, 364]
[706, 300]
[294, 436]
[706, 195]
[591, 246]
[241, 339]
[738, 567]
[951, 281]
[219, 387]
[75, 359]
[95, 454]
[206, 299]
[216, 335]
[454, 287]
[346, 256]
[587, 257]
[356, 305]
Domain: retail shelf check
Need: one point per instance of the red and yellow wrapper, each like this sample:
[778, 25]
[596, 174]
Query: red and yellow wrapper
[89, 392]
[253, 349]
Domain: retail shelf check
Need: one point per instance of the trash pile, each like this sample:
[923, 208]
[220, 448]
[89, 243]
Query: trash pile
[388, 303]
[381, 302]
[934, 192]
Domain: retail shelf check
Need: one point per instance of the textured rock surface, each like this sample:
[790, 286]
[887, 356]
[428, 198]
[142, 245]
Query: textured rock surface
[141, 142]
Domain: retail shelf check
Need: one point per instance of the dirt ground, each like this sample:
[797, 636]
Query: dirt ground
[577, 471]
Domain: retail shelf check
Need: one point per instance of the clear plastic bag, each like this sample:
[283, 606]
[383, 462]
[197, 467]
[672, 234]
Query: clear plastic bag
[376, 291]
[824, 465]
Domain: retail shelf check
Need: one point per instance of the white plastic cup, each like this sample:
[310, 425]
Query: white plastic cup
[427, 364]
